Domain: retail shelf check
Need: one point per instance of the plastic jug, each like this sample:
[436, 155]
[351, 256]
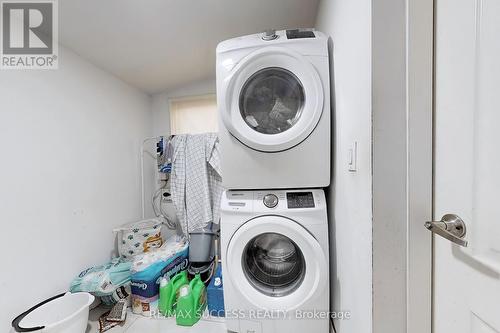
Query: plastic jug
[191, 302]
[215, 294]
[168, 293]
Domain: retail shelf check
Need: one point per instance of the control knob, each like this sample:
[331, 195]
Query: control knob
[269, 34]
[270, 200]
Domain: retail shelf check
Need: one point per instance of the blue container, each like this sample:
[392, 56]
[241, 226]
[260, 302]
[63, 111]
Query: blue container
[215, 294]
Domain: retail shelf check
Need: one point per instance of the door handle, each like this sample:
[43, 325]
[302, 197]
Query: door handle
[451, 227]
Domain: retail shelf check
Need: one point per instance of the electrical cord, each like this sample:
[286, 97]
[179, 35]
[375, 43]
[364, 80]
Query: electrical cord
[158, 209]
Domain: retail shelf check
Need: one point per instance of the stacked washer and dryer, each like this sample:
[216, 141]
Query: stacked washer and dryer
[273, 95]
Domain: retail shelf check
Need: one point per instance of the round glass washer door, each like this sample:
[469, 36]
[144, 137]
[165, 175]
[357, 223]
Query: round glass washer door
[275, 263]
[273, 99]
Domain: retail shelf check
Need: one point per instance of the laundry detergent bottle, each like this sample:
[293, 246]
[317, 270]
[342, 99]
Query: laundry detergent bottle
[191, 302]
[169, 291]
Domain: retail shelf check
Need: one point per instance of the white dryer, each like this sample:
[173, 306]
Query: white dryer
[273, 96]
[275, 261]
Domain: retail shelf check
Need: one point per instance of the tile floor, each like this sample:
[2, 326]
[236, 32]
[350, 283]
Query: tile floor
[140, 324]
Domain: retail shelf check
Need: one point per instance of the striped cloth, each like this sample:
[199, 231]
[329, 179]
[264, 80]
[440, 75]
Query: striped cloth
[196, 182]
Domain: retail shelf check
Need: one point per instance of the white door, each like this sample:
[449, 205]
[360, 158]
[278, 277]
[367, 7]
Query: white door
[467, 165]
[274, 100]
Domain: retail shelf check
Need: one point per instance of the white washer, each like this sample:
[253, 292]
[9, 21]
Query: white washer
[275, 261]
[273, 96]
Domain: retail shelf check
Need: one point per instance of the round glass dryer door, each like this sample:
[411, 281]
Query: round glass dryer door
[273, 264]
[273, 100]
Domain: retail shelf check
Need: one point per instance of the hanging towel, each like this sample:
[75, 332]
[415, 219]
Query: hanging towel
[196, 180]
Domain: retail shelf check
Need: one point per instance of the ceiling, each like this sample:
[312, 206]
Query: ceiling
[156, 45]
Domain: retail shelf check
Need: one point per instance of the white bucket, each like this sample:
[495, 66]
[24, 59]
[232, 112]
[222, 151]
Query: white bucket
[65, 313]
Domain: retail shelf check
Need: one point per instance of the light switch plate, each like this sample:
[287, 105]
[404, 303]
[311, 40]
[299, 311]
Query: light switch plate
[352, 162]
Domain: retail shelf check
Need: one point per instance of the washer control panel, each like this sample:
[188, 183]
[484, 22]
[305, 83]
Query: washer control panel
[267, 201]
[270, 200]
[300, 199]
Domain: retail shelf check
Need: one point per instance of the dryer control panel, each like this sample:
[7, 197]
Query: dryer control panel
[300, 33]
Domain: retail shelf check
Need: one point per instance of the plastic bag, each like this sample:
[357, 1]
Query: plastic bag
[110, 282]
[139, 237]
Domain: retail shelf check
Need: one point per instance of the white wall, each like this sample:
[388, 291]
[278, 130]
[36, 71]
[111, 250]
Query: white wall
[69, 173]
[389, 167]
[161, 117]
[402, 61]
[382, 67]
[348, 22]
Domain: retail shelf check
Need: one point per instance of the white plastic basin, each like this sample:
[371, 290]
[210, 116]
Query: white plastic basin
[66, 313]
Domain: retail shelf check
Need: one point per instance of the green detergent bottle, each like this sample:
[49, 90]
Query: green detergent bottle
[191, 302]
[168, 293]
